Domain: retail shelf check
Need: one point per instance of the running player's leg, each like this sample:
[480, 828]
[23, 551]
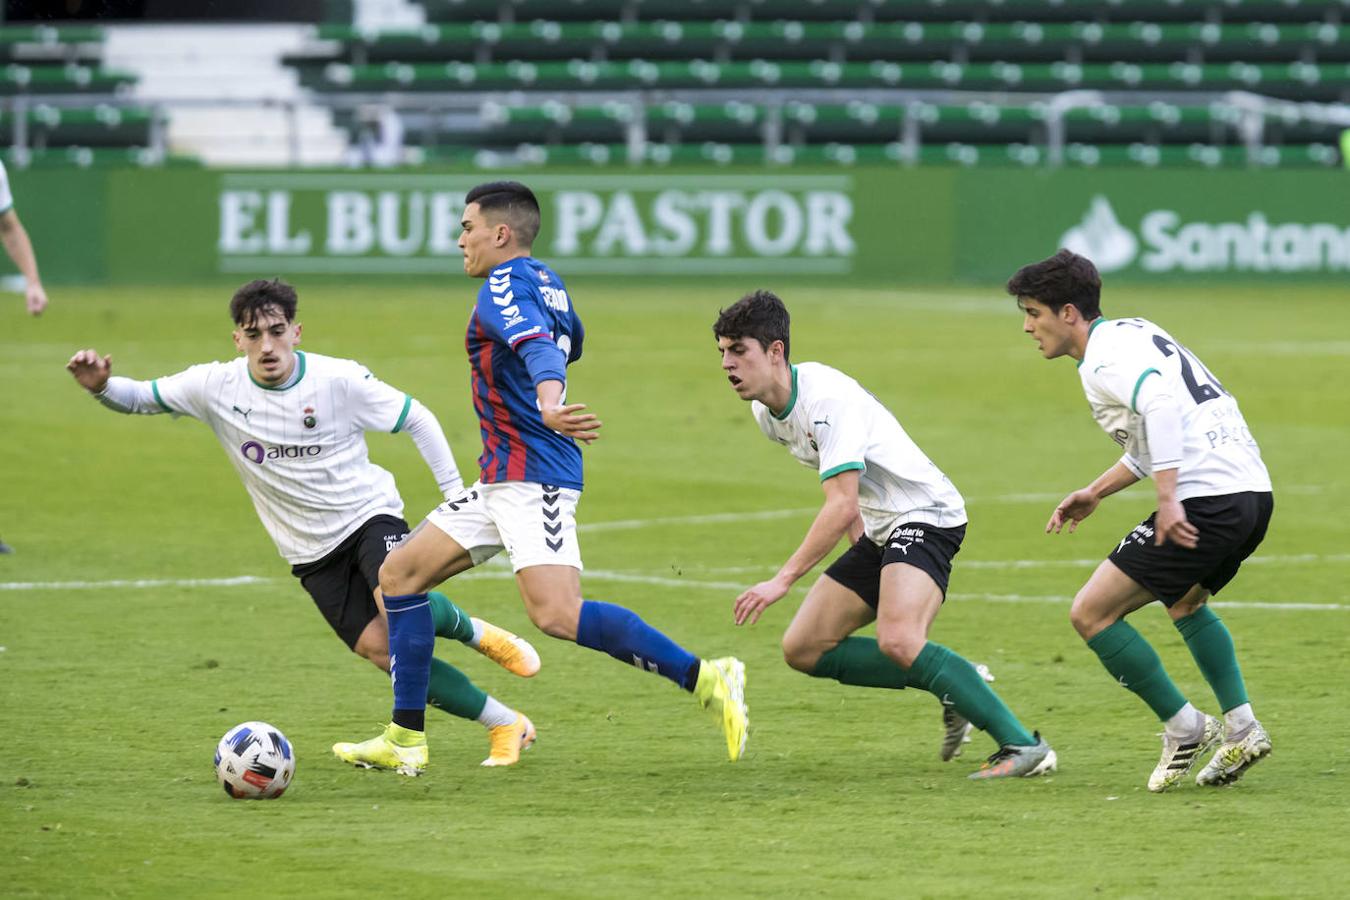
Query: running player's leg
[1245, 741]
[425, 559]
[909, 602]
[552, 595]
[818, 642]
[842, 600]
[1098, 615]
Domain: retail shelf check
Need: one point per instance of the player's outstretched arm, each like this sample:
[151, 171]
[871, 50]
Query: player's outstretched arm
[566, 419]
[1080, 504]
[20, 250]
[90, 370]
[425, 430]
[124, 395]
[837, 515]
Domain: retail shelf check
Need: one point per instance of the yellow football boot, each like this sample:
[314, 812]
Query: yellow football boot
[721, 690]
[400, 749]
[509, 740]
[514, 654]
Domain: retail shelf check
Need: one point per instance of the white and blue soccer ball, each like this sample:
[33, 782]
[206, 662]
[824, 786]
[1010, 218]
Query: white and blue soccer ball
[254, 761]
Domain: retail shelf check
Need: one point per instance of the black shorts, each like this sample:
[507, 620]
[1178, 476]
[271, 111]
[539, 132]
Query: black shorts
[1231, 527]
[925, 547]
[343, 583]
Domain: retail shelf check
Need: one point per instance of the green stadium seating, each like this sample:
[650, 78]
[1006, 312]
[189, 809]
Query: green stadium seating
[835, 80]
[99, 126]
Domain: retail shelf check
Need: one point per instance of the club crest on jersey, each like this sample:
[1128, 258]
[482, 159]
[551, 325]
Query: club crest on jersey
[309, 419]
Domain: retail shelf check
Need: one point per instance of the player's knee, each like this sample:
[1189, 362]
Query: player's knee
[902, 646]
[378, 658]
[1085, 621]
[555, 620]
[799, 654]
[396, 577]
[375, 651]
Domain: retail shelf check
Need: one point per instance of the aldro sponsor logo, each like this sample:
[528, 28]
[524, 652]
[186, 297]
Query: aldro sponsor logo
[1165, 242]
[258, 453]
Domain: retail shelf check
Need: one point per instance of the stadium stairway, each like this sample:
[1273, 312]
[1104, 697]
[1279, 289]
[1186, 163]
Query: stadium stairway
[229, 99]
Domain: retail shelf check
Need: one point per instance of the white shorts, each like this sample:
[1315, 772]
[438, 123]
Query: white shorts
[535, 523]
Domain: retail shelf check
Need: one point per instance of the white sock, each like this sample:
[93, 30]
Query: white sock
[1239, 719]
[495, 713]
[477, 634]
[1186, 723]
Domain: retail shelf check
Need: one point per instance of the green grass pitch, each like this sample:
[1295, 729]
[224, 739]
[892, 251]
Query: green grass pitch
[114, 695]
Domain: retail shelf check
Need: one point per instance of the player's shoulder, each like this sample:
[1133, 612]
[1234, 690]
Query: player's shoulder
[524, 276]
[1119, 339]
[335, 368]
[322, 364]
[818, 381]
[216, 370]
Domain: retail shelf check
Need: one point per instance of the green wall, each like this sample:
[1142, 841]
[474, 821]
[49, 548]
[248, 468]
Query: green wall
[872, 224]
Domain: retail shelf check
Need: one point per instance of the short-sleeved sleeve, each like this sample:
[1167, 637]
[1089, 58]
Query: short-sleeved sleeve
[375, 405]
[510, 310]
[6, 197]
[184, 394]
[840, 437]
[1120, 373]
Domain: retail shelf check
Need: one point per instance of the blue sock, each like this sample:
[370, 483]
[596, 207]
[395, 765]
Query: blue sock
[624, 636]
[412, 637]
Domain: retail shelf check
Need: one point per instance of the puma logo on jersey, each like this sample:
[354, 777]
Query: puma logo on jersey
[243, 412]
[821, 422]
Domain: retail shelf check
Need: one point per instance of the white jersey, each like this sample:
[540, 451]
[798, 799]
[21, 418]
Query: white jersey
[300, 450]
[1126, 358]
[832, 424]
[6, 198]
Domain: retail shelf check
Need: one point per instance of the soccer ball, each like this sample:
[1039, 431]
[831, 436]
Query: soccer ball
[254, 761]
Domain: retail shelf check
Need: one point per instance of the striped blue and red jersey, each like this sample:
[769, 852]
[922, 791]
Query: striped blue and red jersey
[523, 331]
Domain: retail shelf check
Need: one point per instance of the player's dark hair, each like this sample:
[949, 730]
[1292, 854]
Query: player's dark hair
[1063, 279]
[259, 297]
[513, 202]
[759, 315]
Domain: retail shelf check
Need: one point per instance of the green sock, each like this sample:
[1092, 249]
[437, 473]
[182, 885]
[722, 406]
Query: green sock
[1136, 665]
[1212, 646]
[451, 690]
[449, 620]
[952, 679]
[859, 661]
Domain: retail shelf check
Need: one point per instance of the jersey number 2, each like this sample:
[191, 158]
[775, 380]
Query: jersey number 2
[1200, 392]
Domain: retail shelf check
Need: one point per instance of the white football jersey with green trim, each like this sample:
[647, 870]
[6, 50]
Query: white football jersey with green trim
[300, 450]
[832, 424]
[1219, 454]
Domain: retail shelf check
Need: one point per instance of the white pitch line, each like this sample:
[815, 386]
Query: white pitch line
[240, 581]
[1221, 604]
[503, 573]
[705, 519]
[766, 515]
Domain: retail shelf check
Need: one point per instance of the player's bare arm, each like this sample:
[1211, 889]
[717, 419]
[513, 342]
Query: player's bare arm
[836, 518]
[90, 369]
[1170, 523]
[566, 418]
[20, 250]
[1080, 504]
